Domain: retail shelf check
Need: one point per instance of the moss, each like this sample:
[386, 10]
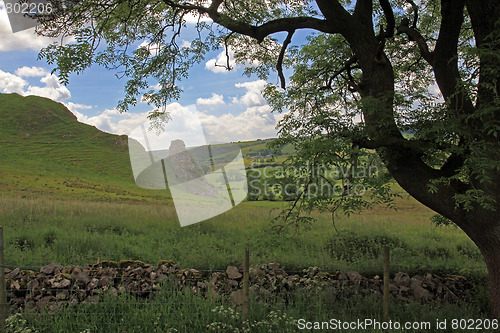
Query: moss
[29, 274]
[167, 263]
[132, 263]
[109, 264]
[192, 274]
[65, 275]
[101, 272]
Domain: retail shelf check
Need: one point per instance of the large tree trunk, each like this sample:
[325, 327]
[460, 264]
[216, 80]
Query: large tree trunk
[482, 226]
[492, 257]
[403, 159]
[484, 230]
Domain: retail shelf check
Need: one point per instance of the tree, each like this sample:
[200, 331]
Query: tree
[377, 60]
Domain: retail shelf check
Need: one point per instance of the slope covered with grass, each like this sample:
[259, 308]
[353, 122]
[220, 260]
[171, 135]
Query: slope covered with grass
[44, 150]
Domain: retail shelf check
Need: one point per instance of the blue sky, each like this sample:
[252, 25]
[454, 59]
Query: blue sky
[230, 105]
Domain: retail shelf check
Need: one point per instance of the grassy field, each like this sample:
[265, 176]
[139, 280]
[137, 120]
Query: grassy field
[46, 152]
[39, 231]
[67, 195]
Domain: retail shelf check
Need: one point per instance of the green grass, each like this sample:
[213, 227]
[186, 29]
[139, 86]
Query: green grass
[39, 231]
[174, 310]
[46, 152]
[67, 195]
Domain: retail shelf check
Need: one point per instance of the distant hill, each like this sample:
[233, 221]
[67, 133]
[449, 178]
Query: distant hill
[44, 150]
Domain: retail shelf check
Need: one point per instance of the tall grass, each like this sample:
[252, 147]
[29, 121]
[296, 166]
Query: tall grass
[39, 231]
[174, 310]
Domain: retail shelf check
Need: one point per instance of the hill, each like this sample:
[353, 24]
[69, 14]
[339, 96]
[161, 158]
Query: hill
[44, 150]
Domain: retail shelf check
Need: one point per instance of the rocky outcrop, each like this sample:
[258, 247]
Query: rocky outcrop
[182, 168]
[54, 284]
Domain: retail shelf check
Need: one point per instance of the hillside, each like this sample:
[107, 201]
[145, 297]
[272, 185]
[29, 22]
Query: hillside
[44, 150]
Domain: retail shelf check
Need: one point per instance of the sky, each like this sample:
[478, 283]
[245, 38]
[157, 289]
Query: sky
[229, 105]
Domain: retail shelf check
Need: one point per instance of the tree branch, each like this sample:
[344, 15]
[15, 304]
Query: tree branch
[214, 6]
[347, 67]
[413, 34]
[336, 14]
[363, 11]
[415, 13]
[279, 64]
[445, 61]
[226, 48]
[452, 164]
[259, 32]
[389, 16]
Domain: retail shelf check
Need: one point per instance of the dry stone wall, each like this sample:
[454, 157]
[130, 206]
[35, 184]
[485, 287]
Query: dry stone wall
[55, 284]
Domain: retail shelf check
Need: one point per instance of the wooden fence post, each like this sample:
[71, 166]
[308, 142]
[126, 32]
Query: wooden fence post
[3, 286]
[386, 282]
[246, 281]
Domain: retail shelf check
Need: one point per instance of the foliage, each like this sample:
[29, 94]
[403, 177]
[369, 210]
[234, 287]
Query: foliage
[17, 324]
[231, 321]
[440, 220]
[328, 175]
[335, 101]
[362, 78]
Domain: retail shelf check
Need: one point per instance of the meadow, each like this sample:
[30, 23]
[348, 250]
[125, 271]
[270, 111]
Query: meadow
[67, 195]
[39, 231]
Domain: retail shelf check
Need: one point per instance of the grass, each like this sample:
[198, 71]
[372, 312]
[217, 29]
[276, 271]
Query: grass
[68, 196]
[46, 152]
[39, 231]
[174, 310]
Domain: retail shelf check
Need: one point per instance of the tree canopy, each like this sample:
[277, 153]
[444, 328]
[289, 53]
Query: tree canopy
[368, 72]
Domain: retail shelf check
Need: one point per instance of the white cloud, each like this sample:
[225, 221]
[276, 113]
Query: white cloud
[110, 120]
[31, 71]
[214, 100]
[193, 18]
[151, 47]
[10, 83]
[256, 122]
[253, 96]
[75, 107]
[156, 86]
[23, 40]
[219, 64]
[52, 88]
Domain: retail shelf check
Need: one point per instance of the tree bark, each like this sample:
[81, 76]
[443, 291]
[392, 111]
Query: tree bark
[483, 227]
[491, 253]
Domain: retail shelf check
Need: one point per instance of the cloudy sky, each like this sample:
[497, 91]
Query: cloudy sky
[229, 105]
